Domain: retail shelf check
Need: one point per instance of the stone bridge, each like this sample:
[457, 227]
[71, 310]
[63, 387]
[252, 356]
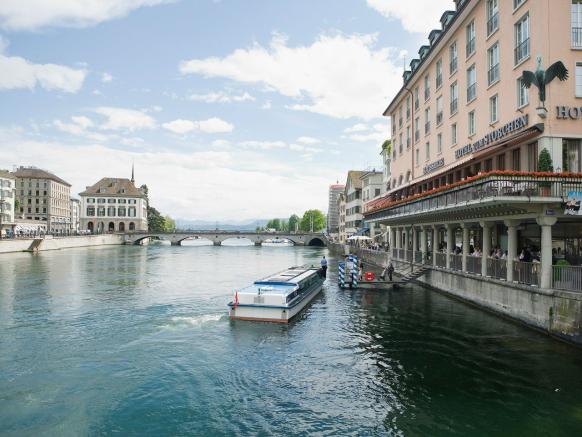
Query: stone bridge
[217, 237]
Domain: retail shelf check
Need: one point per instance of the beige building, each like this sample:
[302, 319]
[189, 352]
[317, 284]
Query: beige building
[332, 211]
[75, 215]
[43, 197]
[341, 207]
[7, 201]
[113, 205]
[468, 135]
[354, 205]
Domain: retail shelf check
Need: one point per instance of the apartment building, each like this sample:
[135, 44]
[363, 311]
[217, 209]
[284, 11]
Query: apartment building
[341, 207]
[7, 202]
[354, 204]
[333, 212]
[469, 137]
[43, 197]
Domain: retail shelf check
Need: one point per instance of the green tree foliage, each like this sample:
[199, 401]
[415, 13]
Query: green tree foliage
[169, 224]
[293, 223]
[156, 222]
[274, 224]
[284, 226]
[314, 220]
[545, 161]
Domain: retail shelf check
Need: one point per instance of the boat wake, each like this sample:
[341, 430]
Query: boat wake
[194, 321]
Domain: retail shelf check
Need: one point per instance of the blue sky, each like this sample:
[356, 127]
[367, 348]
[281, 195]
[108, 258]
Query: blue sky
[230, 109]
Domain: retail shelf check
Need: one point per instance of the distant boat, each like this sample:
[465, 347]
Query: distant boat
[277, 298]
[277, 241]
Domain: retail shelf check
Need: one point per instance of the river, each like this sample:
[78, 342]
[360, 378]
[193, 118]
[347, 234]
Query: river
[136, 341]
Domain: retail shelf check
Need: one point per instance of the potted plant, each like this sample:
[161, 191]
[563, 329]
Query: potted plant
[545, 165]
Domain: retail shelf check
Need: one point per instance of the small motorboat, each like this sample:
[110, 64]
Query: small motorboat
[277, 298]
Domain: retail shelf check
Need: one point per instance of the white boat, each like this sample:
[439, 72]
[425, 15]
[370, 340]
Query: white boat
[277, 298]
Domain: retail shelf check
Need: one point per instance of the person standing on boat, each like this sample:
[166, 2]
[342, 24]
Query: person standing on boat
[324, 267]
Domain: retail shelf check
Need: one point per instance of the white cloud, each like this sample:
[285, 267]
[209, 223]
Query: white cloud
[221, 97]
[106, 77]
[80, 127]
[211, 126]
[308, 140]
[363, 133]
[17, 72]
[36, 14]
[359, 127]
[180, 126]
[125, 119]
[417, 15]
[267, 105]
[339, 76]
[263, 145]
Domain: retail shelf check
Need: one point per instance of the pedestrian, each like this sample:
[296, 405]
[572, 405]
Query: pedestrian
[324, 267]
[349, 270]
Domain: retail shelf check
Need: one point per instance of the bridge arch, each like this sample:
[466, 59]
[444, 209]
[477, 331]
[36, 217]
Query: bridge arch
[146, 237]
[316, 242]
[204, 238]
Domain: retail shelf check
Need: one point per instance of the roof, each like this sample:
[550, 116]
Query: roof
[366, 174]
[338, 186]
[38, 173]
[354, 176]
[6, 174]
[113, 187]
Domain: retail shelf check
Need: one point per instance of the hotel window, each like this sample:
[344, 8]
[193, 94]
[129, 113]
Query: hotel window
[416, 98]
[393, 122]
[454, 97]
[522, 93]
[453, 58]
[408, 137]
[577, 23]
[493, 109]
[571, 155]
[493, 64]
[408, 108]
[522, 39]
[439, 143]
[427, 151]
[532, 156]
[578, 79]
[470, 39]
[439, 73]
[492, 16]
[472, 123]
[400, 117]
[132, 212]
[426, 87]
[426, 121]
[111, 211]
[417, 157]
[439, 109]
[111, 201]
[416, 129]
[488, 165]
[90, 211]
[100, 200]
[471, 83]
[516, 160]
[90, 200]
[454, 134]
[400, 139]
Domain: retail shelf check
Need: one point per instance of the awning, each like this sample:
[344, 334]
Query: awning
[362, 231]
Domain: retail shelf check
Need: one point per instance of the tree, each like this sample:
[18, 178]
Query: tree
[284, 226]
[169, 224]
[293, 223]
[545, 163]
[156, 222]
[313, 220]
[274, 224]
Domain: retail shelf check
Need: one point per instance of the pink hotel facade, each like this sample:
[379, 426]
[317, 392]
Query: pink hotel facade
[466, 142]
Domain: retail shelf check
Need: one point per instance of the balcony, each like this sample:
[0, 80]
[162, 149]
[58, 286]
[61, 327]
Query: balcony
[522, 51]
[485, 190]
[493, 23]
[454, 106]
[493, 74]
[471, 92]
[577, 37]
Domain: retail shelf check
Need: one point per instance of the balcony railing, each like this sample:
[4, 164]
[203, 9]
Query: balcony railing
[567, 278]
[487, 187]
[474, 264]
[577, 37]
[471, 92]
[497, 268]
[526, 273]
[456, 262]
[408, 255]
[493, 23]
[493, 74]
[416, 104]
[470, 47]
[454, 105]
[522, 51]
[441, 260]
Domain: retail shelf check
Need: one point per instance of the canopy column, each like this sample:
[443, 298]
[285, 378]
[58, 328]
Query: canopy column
[466, 228]
[486, 245]
[546, 224]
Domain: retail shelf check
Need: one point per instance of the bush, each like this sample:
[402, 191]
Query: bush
[545, 163]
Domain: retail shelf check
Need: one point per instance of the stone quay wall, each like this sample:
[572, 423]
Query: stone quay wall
[48, 243]
[554, 312]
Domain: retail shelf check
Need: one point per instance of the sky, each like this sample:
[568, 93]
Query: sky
[229, 109]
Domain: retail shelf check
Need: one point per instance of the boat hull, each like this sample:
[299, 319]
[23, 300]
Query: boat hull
[281, 314]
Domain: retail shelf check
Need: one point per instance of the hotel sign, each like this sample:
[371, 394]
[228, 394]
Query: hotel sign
[434, 166]
[567, 112]
[492, 137]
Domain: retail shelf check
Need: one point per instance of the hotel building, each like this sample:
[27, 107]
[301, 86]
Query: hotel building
[468, 138]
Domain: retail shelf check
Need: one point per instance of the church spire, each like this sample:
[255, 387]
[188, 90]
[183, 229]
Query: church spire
[133, 173]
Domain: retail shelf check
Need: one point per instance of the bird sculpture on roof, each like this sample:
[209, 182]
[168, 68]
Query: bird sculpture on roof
[541, 78]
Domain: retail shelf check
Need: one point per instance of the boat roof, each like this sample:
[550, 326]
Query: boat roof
[284, 282]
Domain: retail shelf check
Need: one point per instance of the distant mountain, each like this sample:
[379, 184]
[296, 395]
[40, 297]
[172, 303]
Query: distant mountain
[229, 225]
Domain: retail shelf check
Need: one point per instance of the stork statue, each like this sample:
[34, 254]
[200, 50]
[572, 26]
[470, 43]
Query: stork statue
[542, 78]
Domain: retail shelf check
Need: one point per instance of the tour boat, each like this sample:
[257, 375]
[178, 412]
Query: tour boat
[277, 298]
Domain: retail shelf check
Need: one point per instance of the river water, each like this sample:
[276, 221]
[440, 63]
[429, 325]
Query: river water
[136, 341]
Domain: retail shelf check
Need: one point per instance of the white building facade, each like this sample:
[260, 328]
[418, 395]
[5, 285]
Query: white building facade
[333, 211]
[75, 215]
[354, 205]
[7, 201]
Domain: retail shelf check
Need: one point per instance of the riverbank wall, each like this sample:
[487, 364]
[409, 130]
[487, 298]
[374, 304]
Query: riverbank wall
[554, 312]
[56, 243]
